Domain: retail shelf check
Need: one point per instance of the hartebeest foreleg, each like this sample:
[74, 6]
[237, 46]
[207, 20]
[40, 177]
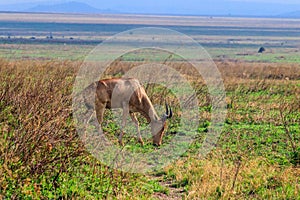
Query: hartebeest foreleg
[124, 120]
[125, 107]
[136, 123]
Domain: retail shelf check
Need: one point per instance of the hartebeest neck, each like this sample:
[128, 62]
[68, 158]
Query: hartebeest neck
[148, 110]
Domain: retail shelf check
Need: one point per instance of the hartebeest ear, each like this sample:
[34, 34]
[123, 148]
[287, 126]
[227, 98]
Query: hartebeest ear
[168, 113]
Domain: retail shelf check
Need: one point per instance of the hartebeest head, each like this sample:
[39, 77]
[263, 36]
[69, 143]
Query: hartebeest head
[158, 126]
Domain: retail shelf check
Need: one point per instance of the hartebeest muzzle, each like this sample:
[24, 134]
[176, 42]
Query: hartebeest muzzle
[158, 126]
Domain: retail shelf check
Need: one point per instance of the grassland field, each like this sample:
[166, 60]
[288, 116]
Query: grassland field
[257, 155]
[234, 38]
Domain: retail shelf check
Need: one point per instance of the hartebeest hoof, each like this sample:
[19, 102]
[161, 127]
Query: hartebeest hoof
[141, 141]
[121, 143]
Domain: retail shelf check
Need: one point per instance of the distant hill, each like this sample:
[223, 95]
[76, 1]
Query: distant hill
[187, 7]
[295, 14]
[69, 7]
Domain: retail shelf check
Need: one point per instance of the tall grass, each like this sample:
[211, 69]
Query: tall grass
[258, 153]
[41, 155]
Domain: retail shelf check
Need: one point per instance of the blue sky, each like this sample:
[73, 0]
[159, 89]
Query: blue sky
[193, 7]
[93, 2]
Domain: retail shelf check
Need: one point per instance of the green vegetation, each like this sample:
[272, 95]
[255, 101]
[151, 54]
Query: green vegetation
[42, 156]
[44, 40]
[257, 155]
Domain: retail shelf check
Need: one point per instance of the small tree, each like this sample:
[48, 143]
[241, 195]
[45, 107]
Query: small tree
[261, 50]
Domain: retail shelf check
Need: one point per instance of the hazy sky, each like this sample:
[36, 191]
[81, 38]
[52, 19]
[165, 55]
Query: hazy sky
[194, 7]
[95, 2]
[272, 1]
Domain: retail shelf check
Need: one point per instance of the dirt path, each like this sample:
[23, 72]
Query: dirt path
[174, 193]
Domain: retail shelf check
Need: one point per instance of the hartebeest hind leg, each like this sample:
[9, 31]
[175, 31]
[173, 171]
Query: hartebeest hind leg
[100, 108]
[136, 123]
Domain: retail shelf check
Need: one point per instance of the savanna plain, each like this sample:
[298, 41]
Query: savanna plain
[257, 155]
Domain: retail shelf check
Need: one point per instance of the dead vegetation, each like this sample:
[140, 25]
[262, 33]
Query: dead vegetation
[38, 135]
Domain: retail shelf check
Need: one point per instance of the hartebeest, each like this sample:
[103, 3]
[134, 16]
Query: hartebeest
[128, 94]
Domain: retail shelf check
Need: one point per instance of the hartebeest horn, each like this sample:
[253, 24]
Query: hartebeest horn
[171, 113]
[168, 113]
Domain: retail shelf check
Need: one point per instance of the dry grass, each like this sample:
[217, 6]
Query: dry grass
[38, 137]
[215, 178]
[41, 155]
[37, 132]
[151, 20]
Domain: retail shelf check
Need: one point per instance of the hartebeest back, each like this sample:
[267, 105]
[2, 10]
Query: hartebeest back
[128, 94]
